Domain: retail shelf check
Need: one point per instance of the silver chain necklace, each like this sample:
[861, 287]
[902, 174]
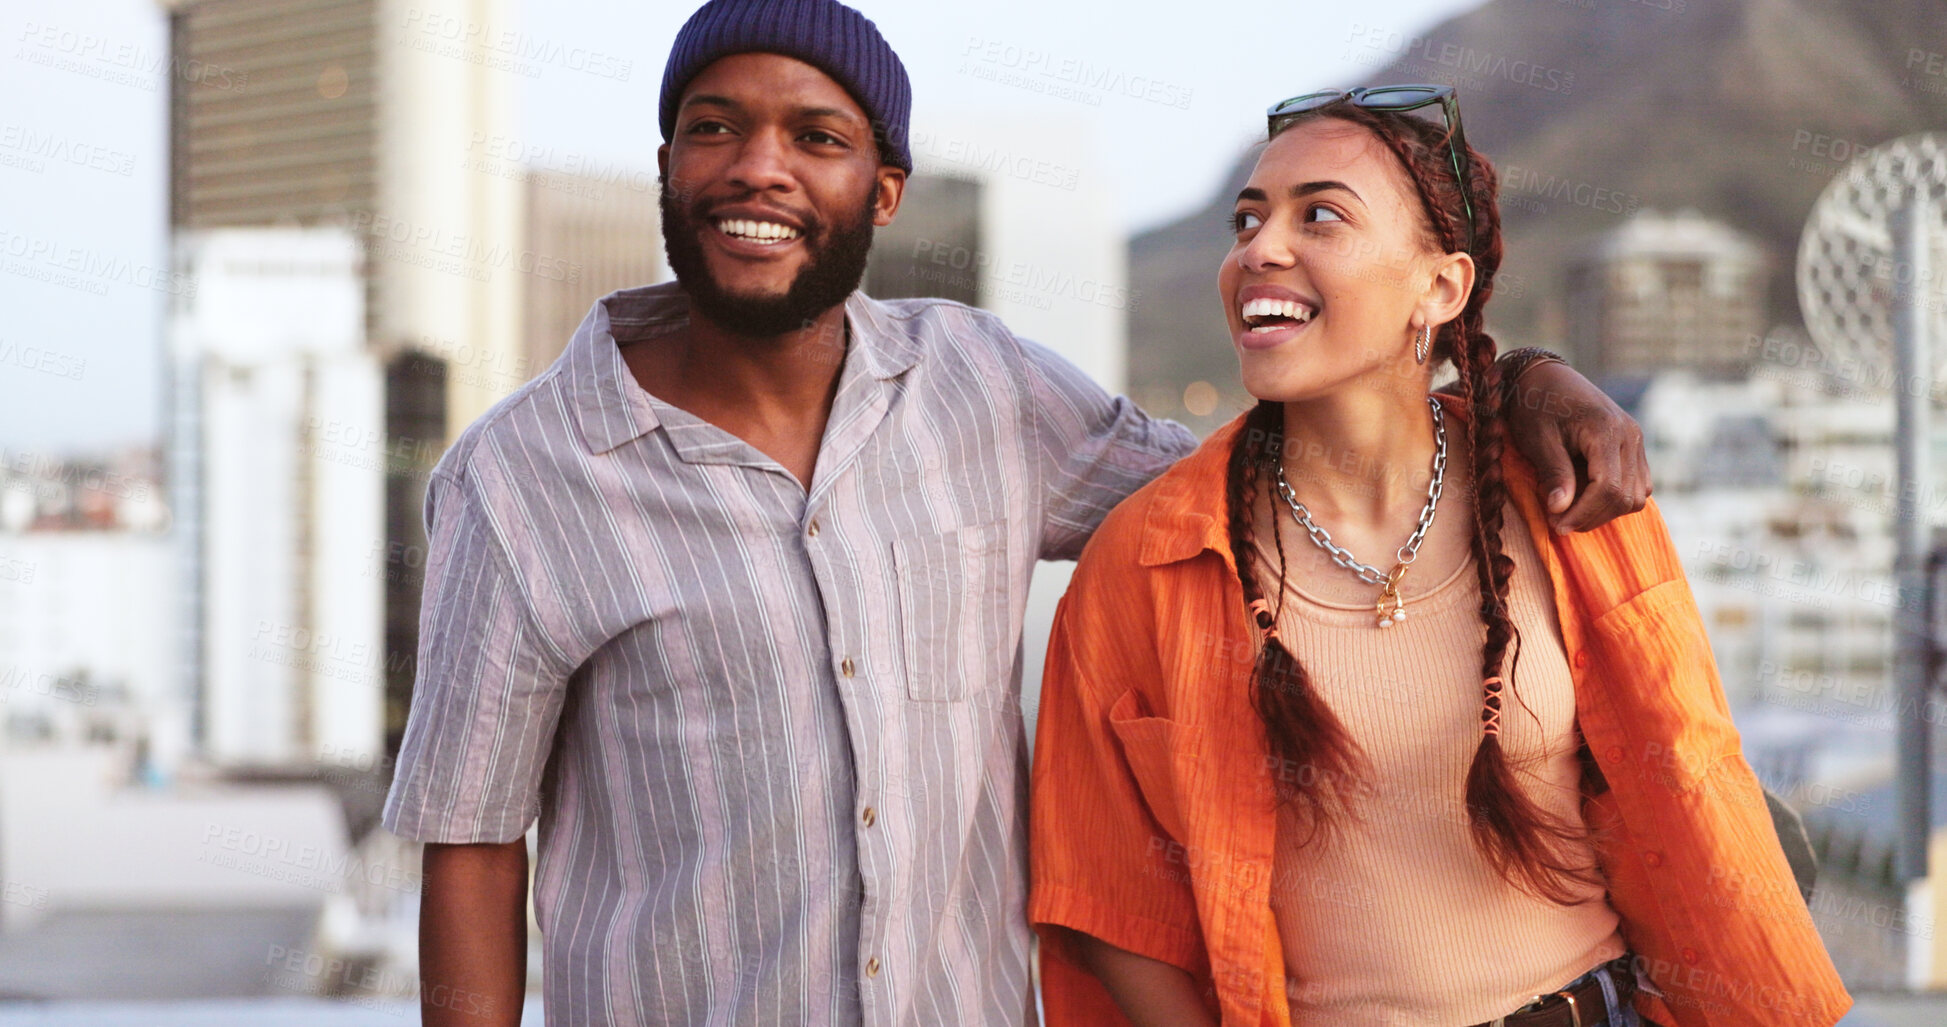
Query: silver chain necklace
[1391, 607]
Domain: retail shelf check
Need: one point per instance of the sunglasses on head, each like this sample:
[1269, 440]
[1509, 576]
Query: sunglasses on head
[1399, 99]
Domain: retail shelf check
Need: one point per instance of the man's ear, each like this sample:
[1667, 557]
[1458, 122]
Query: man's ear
[662, 161]
[891, 190]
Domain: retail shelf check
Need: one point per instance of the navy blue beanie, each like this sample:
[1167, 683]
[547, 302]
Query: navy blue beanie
[825, 34]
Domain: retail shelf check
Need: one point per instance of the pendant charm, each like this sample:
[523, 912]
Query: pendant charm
[1391, 608]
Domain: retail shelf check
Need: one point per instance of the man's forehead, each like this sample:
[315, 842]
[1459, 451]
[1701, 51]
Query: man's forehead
[755, 80]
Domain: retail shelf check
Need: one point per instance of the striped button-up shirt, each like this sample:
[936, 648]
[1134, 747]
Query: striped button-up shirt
[773, 734]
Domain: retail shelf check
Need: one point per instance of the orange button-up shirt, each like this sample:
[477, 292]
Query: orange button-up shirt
[1153, 823]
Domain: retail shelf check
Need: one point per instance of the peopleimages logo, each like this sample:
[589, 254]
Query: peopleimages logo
[122, 63]
[1045, 71]
[1464, 60]
[505, 48]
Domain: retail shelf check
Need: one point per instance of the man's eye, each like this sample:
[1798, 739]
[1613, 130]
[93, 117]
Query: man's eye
[709, 128]
[821, 138]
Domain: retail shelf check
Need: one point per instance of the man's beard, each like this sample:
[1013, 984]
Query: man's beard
[834, 267]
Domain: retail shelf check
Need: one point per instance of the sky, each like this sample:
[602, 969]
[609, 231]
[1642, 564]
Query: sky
[1166, 95]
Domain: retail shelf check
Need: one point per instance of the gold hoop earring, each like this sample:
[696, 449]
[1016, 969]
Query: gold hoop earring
[1422, 344]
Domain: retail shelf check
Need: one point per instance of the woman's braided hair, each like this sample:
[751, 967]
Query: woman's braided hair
[1321, 767]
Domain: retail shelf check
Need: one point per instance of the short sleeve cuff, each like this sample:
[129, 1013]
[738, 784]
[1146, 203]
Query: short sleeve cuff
[1177, 945]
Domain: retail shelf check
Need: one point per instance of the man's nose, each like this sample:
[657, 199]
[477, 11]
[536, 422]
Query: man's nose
[761, 163]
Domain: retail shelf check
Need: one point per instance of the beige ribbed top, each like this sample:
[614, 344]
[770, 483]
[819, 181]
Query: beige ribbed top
[1396, 919]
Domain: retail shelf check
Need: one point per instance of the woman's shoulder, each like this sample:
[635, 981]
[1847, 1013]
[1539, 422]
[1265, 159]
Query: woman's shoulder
[1610, 563]
[1167, 518]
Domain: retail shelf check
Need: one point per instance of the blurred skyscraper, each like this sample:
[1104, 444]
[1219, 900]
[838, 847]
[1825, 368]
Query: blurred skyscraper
[281, 419]
[393, 123]
[608, 223]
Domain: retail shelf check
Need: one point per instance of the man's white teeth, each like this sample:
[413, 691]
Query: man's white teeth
[1277, 308]
[762, 231]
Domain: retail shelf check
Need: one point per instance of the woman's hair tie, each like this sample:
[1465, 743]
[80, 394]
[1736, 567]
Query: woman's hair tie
[1491, 706]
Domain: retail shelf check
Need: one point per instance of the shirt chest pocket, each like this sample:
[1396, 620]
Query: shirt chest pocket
[1158, 751]
[1669, 701]
[953, 610]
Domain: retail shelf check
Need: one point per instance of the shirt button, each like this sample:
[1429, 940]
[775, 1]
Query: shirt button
[813, 529]
[1690, 955]
[1615, 754]
[847, 667]
[1582, 658]
[1653, 858]
[872, 967]
[869, 816]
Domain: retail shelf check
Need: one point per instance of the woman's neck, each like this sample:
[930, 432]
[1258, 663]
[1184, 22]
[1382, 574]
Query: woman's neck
[1360, 456]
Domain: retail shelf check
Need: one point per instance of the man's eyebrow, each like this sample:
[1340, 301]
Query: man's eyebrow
[713, 100]
[826, 112]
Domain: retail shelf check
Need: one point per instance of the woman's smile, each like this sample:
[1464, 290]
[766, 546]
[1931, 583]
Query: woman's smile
[1270, 315]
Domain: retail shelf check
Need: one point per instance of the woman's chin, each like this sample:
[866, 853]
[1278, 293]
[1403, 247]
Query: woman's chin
[1281, 382]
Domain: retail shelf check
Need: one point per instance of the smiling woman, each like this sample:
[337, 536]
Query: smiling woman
[1200, 826]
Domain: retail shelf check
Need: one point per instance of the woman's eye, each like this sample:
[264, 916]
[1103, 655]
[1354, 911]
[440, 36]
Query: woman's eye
[1244, 221]
[1326, 213]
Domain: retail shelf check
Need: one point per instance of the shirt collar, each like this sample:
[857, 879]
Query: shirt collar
[1189, 511]
[611, 410]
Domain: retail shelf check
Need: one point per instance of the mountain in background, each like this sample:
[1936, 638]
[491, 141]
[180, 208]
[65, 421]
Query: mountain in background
[1742, 109]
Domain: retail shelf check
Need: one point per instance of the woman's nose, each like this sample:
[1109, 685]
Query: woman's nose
[1268, 250]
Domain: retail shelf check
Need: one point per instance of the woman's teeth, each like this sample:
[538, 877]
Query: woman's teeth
[1271, 315]
[757, 231]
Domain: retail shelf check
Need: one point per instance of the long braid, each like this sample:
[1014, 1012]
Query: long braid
[1528, 844]
[1318, 767]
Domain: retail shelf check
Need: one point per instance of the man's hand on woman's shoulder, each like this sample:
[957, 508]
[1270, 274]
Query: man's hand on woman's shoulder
[1587, 452]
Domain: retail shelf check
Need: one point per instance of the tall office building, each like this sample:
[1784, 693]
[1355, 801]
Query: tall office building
[282, 420]
[604, 223]
[360, 115]
[1667, 292]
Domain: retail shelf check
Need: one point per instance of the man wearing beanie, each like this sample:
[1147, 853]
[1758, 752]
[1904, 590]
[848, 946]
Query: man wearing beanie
[730, 597]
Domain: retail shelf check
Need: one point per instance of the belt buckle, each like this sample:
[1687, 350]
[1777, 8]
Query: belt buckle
[1533, 1005]
[1574, 1009]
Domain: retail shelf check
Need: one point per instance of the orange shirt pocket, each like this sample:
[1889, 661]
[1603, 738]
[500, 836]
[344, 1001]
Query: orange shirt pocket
[1156, 748]
[1661, 682]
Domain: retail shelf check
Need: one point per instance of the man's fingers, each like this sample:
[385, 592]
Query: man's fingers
[1554, 471]
[1645, 486]
[1600, 502]
[1616, 483]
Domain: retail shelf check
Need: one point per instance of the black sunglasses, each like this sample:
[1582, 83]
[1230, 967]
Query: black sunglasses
[1391, 98]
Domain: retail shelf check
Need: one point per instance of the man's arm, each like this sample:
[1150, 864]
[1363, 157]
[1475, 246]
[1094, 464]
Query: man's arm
[1583, 446]
[1587, 452]
[473, 934]
[486, 699]
[1092, 449]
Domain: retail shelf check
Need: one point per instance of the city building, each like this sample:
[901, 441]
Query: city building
[394, 122]
[282, 459]
[1667, 291]
[86, 644]
[605, 223]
